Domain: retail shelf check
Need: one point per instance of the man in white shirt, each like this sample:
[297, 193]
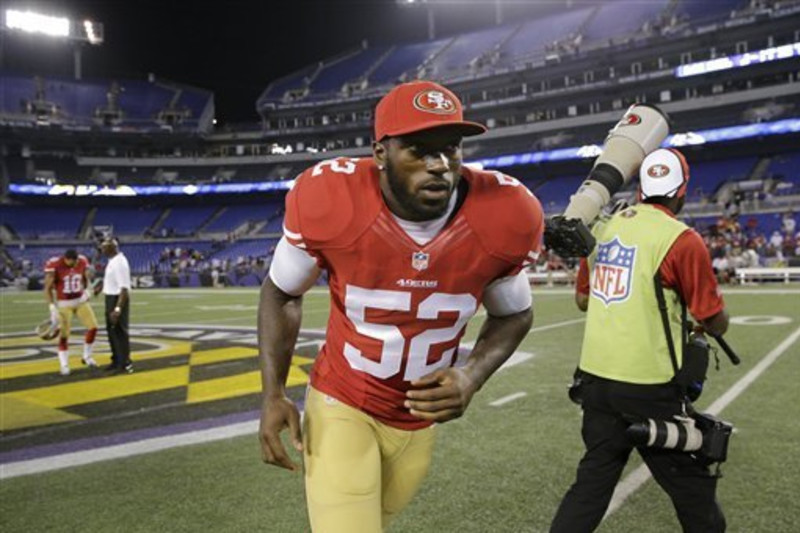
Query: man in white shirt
[116, 287]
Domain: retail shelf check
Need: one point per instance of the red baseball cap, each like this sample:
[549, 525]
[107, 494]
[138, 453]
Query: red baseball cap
[421, 105]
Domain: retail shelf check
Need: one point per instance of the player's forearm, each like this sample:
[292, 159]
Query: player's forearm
[48, 290]
[279, 317]
[122, 298]
[498, 339]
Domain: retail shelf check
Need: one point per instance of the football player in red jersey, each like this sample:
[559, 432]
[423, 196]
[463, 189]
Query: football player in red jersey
[68, 277]
[413, 243]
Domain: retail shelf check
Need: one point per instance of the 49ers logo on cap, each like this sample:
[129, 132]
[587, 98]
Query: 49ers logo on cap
[435, 102]
[658, 171]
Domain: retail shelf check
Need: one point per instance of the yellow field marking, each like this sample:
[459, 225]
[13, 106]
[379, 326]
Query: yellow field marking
[241, 384]
[18, 352]
[17, 413]
[49, 366]
[205, 357]
[16, 342]
[100, 389]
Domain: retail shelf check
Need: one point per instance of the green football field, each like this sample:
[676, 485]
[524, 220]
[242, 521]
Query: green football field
[503, 467]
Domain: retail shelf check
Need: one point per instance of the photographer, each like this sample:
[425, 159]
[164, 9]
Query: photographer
[629, 368]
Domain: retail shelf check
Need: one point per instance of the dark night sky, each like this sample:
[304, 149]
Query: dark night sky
[236, 47]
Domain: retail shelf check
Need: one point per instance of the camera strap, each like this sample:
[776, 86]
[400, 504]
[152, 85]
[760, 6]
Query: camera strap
[662, 308]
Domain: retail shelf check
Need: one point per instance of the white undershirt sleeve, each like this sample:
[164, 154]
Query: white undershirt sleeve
[506, 296]
[293, 270]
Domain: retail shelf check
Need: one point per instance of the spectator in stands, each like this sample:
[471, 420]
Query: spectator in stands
[407, 237]
[116, 287]
[776, 240]
[645, 259]
[788, 223]
[66, 290]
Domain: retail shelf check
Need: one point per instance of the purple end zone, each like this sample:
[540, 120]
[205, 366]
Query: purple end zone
[49, 450]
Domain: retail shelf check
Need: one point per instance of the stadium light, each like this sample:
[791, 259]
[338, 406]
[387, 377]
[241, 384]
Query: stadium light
[428, 4]
[431, 20]
[76, 31]
[31, 22]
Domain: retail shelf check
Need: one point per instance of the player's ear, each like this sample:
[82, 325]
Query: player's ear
[379, 154]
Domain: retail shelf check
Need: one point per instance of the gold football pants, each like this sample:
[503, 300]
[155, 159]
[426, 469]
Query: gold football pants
[84, 313]
[359, 472]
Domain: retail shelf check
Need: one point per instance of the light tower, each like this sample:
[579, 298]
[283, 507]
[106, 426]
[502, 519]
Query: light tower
[76, 32]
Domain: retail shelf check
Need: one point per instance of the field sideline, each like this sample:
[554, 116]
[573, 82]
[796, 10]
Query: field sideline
[501, 468]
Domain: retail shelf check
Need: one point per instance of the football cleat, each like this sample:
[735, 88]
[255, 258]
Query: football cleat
[47, 330]
[89, 361]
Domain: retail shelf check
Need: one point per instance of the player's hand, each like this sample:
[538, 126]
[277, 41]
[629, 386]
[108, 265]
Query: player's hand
[277, 414]
[85, 296]
[113, 316]
[441, 396]
[53, 314]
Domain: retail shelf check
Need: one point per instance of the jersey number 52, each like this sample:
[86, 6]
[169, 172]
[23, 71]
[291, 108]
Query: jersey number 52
[358, 300]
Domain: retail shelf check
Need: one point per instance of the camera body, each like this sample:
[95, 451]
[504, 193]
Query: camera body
[716, 436]
[700, 433]
[692, 373]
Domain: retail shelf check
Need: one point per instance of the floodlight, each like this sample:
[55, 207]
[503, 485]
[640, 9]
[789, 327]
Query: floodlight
[31, 22]
[39, 23]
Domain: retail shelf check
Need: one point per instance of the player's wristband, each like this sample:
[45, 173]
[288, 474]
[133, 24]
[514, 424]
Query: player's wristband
[117, 309]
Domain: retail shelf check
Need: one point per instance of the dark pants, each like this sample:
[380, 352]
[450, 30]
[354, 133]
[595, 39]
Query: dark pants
[686, 479]
[118, 337]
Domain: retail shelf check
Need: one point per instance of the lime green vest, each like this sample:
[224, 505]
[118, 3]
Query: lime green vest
[624, 338]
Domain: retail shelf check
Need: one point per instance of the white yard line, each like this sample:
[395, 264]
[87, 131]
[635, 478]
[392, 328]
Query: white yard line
[506, 399]
[636, 479]
[120, 451]
[556, 325]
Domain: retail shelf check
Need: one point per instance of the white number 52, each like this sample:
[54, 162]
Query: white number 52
[358, 299]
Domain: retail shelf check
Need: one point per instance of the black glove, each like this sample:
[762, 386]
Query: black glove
[568, 237]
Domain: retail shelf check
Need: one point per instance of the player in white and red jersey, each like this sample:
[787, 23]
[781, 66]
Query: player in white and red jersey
[68, 277]
[413, 244]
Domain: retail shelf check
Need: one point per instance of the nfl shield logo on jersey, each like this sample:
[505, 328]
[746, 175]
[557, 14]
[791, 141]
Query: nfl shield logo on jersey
[612, 273]
[419, 260]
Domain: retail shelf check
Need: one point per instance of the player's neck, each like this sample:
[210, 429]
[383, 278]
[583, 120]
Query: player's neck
[422, 232]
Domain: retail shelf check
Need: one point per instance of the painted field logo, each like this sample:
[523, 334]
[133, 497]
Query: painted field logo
[612, 278]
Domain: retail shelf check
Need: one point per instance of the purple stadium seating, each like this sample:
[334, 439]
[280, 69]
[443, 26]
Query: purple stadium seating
[278, 88]
[38, 255]
[620, 19]
[247, 248]
[185, 220]
[332, 77]
[404, 59]
[236, 215]
[469, 46]
[554, 193]
[786, 165]
[534, 34]
[127, 220]
[35, 222]
[707, 176]
[698, 11]
[14, 91]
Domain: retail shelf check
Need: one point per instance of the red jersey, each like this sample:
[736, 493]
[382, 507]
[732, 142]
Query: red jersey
[686, 268]
[399, 309]
[69, 280]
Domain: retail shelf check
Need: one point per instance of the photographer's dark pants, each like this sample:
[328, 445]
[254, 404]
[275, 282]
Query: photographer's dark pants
[118, 337]
[686, 480]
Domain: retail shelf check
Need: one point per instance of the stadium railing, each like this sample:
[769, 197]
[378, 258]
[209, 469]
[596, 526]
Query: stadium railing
[753, 275]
